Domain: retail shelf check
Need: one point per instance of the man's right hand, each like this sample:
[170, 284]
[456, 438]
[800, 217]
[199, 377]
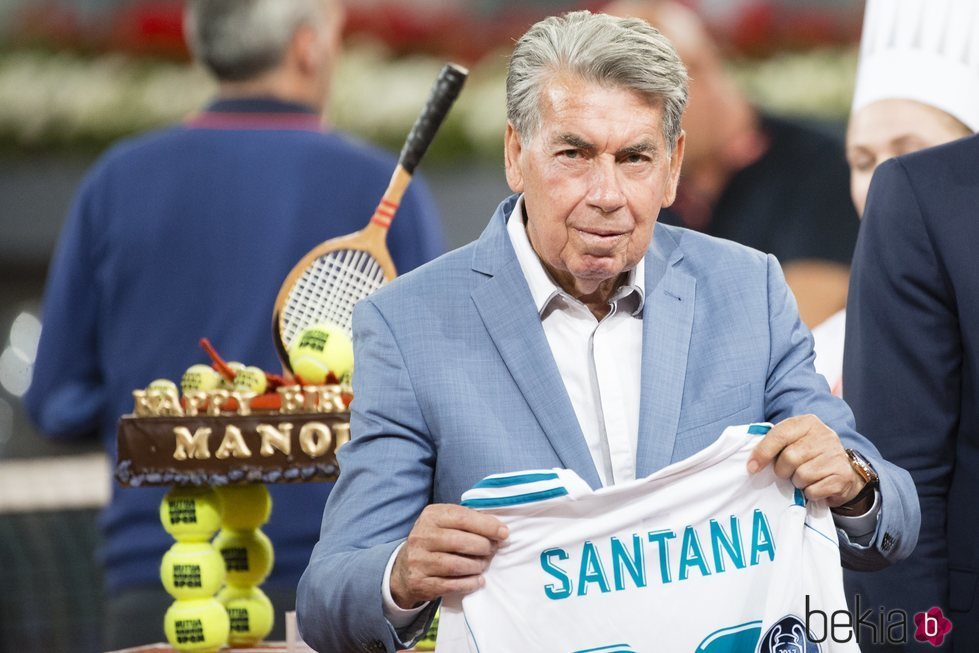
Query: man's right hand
[447, 551]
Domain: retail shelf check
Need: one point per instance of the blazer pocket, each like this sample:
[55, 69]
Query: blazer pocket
[714, 408]
[961, 589]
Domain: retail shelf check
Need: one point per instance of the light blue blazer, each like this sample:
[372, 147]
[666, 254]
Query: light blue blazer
[455, 380]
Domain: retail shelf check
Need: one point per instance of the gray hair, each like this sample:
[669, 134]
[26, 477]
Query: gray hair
[621, 52]
[241, 39]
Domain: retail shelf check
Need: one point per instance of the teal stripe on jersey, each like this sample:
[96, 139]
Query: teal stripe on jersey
[759, 429]
[821, 534]
[733, 639]
[800, 498]
[471, 635]
[613, 648]
[516, 499]
[517, 479]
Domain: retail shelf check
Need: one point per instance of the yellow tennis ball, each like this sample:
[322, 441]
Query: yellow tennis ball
[248, 556]
[200, 377]
[319, 349]
[251, 379]
[192, 570]
[161, 385]
[250, 613]
[191, 514]
[196, 626]
[224, 383]
[246, 507]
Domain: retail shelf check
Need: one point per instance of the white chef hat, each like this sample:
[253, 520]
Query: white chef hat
[923, 50]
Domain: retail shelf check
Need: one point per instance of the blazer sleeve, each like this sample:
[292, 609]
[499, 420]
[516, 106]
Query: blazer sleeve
[385, 483]
[794, 388]
[902, 363]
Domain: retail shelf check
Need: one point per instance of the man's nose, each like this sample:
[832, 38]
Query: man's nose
[605, 190]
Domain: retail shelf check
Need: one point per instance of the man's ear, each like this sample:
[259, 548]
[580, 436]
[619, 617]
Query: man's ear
[304, 49]
[676, 162]
[512, 149]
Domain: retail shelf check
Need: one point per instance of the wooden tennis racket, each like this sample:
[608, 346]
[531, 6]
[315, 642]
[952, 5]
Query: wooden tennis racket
[335, 275]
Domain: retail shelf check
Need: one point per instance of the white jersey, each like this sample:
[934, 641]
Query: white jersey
[698, 557]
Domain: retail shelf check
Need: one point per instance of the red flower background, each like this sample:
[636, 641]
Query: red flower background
[463, 29]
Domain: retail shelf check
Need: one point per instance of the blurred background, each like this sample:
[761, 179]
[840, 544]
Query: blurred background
[77, 74]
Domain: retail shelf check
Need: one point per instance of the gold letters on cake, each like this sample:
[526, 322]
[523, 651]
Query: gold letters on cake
[233, 444]
[191, 446]
[275, 438]
[316, 439]
[195, 399]
[293, 399]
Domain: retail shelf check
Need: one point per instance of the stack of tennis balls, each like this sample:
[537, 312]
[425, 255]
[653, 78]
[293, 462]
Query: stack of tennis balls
[320, 349]
[248, 558]
[192, 571]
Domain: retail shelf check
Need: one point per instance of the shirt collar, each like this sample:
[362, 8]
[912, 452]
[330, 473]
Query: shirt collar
[543, 288]
[259, 112]
[258, 104]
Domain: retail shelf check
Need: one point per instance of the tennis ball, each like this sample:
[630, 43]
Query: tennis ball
[191, 514]
[246, 507]
[196, 626]
[192, 570]
[199, 377]
[225, 384]
[250, 612]
[319, 349]
[248, 556]
[251, 379]
[161, 385]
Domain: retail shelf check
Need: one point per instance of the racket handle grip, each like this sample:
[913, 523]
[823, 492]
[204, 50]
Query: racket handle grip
[444, 93]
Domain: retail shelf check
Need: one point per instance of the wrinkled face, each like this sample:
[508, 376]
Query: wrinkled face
[890, 128]
[594, 178]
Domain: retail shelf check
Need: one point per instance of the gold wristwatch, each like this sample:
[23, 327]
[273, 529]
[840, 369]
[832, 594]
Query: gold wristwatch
[871, 481]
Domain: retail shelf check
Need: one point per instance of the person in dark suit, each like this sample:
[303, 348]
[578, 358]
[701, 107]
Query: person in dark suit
[904, 362]
[912, 371]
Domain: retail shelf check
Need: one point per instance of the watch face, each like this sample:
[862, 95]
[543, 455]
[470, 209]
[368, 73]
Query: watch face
[861, 466]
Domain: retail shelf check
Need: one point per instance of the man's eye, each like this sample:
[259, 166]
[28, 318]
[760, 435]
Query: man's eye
[863, 164]
[570, 154]
[636, 158]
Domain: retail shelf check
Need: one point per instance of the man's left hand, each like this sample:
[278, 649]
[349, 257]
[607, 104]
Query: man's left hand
[811, 454]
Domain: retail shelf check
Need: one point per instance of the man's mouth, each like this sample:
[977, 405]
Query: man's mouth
[599, 236]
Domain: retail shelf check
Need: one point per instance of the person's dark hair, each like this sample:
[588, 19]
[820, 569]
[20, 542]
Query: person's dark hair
[240, 39]
[620, 52]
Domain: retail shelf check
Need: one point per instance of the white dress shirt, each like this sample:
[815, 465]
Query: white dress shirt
[599, 360]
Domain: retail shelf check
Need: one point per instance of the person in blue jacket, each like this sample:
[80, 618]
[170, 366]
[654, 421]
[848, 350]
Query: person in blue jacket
[188, 232]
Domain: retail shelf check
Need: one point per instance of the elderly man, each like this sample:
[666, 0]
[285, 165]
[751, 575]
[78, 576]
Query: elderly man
[188, 232]
[575, 333]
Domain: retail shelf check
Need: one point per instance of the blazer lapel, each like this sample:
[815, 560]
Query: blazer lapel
[667, 325]
[507, 310]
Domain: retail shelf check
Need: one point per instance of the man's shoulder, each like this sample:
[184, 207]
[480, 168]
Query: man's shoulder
[708, 252]
[954, 160]
[318, 146]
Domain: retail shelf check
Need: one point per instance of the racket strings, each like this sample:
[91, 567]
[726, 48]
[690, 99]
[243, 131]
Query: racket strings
[328, 290]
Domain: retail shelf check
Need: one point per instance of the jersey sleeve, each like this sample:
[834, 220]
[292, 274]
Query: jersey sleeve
[524, 488]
